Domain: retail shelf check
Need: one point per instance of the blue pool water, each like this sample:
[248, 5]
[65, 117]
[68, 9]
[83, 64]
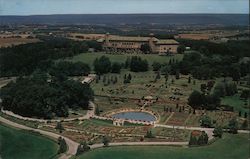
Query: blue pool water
[135, 116]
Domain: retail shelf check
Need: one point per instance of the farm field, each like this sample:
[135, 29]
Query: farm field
[18, 144]
[229, 147]
[5, 42]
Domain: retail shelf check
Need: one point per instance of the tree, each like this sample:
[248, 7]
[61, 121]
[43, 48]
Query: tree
[149, 134]
[145, 48]
[245, 94]
[156, 66]
[83, 147]
[218, 131]
[196, 99]
[95, 45]
[203, 138]
[206, 121]
[105, 141]
[50, 99]
[166, 77]
[97, 111]
[239, 113]
[244, 124]
[233, 126]
[102, 65]
[138, 65]
[116, 67]
[212, 101]
[245, 115]
[158, 76]
[235, 72]
[20, 60]
[129, 77]
[203, 87]
[177, 75]
[189, 79]
[181, 49]
[59, 127]
[164, 69]
[62, 145]
[193, 140]
[127, 62]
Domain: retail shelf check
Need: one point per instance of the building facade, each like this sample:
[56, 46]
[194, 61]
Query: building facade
[128, 44]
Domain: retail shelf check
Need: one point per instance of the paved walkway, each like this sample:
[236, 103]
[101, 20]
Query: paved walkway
[89, 114]
[209, 131]
[72, 146]
[140, 144]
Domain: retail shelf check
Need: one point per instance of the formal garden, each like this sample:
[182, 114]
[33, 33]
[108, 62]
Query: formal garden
[179, 93]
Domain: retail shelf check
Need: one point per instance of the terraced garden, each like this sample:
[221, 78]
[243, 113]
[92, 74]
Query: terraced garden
[230, 147]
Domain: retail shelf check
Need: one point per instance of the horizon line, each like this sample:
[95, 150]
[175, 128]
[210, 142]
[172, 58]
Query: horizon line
[126, 14]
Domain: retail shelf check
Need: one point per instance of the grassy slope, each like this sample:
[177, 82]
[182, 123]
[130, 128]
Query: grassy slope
[235, 102]
[18, 144]
[90, 57]
[230, 147]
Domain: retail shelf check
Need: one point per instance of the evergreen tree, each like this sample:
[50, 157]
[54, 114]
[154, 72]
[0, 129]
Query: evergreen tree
[105, 141]
[233, 126]
[218, 131]
[62, 145]
[59, 127]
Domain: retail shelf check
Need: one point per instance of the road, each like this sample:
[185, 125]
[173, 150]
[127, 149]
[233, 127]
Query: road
[72, 146]
[89, 113]
[140, 144]
[209, 131]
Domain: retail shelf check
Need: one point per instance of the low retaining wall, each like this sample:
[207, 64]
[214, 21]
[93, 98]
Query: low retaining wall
[107, 116]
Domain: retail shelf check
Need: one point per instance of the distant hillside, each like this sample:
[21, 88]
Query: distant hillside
[163, 19]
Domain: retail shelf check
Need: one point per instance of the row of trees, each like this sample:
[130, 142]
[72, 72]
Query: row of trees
[39, 96]
[208, 67]
[136, 64]
[198, 138]
[24, 59]
[199, 100]
[103, 65]
[231, 48]
[232, 126]
[69, 68]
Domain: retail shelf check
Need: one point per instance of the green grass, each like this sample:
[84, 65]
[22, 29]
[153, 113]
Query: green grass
[90, 57]
[230, 147]
[101, 122]
[235, 102]
[20, 144]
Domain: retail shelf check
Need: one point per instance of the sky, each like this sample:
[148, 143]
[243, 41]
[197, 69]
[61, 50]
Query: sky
[45, 7]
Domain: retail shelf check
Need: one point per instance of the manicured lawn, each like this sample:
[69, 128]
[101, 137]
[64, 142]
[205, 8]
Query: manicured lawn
[235, 102]
[90, 57]
[230, 147]
[19, 144]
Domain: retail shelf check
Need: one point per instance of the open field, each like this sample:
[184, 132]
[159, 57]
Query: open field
[19, 144]
[230, 147]
[5, 42]
[121, 58]
[194, 36]
[237, 103]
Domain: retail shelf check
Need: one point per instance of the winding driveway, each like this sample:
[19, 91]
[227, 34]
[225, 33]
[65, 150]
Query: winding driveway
[72, 145]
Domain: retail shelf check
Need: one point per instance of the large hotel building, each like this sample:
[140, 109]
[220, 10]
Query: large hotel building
[130, 44]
